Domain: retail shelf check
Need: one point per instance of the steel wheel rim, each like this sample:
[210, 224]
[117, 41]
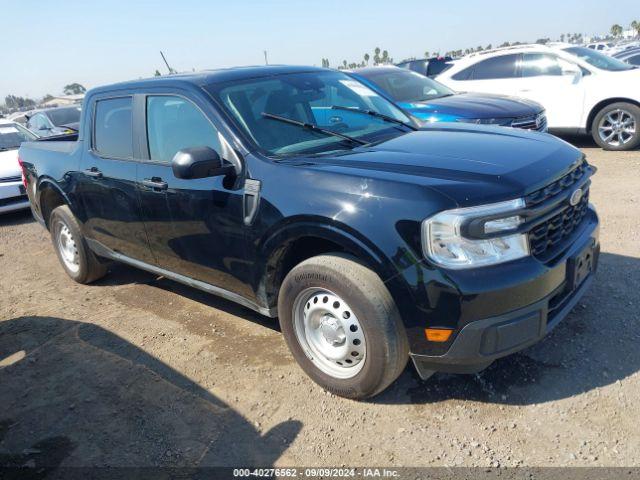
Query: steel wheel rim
[617, 127]
[67, 247]
[329, 332]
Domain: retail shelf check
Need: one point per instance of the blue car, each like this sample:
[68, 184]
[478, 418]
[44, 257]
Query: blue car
[430, 101]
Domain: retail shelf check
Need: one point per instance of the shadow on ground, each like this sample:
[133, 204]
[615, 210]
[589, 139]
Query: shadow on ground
[121, 274]
[74, 394]
[578, 356]
[595, 346]
[21, 217]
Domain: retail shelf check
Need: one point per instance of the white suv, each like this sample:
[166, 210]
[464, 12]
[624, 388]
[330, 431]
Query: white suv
[582, 90]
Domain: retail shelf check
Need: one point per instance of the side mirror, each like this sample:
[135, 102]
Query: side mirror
[199, 162]
[576, 73]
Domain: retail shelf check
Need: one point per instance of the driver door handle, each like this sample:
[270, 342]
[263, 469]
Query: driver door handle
[155, 183]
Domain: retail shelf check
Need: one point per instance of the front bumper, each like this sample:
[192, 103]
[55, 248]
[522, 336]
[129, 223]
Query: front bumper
[480, 343]
[499, 310]
[12, 197]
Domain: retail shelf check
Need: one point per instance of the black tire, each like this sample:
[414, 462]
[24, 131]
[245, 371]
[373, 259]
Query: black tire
[629, 108]
[87, 266]
[387, 349]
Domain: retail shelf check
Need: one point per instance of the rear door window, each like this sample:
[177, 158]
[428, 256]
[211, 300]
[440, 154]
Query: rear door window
[113, 136]
[502, 67]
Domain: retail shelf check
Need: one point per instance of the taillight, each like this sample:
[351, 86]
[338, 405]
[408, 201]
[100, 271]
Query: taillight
[24, 177]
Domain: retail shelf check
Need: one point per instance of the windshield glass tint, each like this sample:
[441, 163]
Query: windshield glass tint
[11, 136]
[308, 98]
[408, 86]
[598, 60]
[64, 116]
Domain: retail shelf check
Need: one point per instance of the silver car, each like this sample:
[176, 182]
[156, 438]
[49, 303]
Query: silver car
[12, 191]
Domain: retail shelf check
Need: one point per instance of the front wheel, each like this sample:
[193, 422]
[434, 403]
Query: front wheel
[617, 127]
[342, 326]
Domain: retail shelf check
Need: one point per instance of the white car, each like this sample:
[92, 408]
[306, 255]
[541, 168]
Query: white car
[12, 193]
[582, 90]
[600, 46]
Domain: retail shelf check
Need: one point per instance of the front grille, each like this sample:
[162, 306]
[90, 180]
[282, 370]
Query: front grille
[533, 122]
[551, 236]
[556, 187]
[10, 179]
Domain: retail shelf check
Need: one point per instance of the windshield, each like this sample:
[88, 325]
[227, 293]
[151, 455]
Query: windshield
[64, 116]
[408, 86]
[307, 98]
[598, 60]
[12, 135]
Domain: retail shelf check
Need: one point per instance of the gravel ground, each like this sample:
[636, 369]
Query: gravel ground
[140, 371]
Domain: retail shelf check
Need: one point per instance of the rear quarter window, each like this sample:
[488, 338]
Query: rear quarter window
[112, 134]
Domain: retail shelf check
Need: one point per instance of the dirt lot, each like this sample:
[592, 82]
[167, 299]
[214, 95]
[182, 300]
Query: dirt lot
[137, 370]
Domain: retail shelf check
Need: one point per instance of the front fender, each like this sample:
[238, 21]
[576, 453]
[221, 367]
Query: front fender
[274, 247]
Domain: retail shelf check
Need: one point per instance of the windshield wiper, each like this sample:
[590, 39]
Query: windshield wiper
[313, 128]
[373, 113]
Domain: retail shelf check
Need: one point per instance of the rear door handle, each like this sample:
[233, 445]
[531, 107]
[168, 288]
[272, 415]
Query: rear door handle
[155, 183]
[93, 172]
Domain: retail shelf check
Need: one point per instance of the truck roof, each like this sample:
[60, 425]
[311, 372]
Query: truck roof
[208, 77]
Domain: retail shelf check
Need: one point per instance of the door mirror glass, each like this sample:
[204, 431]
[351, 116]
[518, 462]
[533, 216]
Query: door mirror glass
[199, 162]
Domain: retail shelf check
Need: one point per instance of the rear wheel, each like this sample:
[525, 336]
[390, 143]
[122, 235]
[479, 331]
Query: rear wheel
[617, 126]
[342, 326]
[80, 263]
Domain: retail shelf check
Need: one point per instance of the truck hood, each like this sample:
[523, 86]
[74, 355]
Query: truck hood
[470, 164]
[475, 105]
[9, 166]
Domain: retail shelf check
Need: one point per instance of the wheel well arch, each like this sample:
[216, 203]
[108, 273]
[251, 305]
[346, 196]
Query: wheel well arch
[602, 104]
[294, 250]
[50, 198]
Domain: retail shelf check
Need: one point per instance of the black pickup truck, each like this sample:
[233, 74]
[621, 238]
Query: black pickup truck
[302, 194]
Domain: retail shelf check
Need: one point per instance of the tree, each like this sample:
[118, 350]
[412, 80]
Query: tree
[74, 89]
[366, 58]
[635, 26]
[426, 54]
[46, 98]
[376, 56]
[385, 57]
[157, 74]
[13, 102]
[562, 37]
[616, 30]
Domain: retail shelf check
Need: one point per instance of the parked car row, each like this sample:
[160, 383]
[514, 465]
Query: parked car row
[582, 90]
[304, 194]
[431, 101]
[630, 56]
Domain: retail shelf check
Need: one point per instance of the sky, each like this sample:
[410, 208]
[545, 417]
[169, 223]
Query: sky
[49, 44]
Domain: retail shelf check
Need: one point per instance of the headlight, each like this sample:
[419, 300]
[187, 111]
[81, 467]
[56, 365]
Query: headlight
[443, 241]
[487, 121]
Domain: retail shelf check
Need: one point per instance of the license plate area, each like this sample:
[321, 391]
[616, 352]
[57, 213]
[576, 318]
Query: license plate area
[580, 266]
